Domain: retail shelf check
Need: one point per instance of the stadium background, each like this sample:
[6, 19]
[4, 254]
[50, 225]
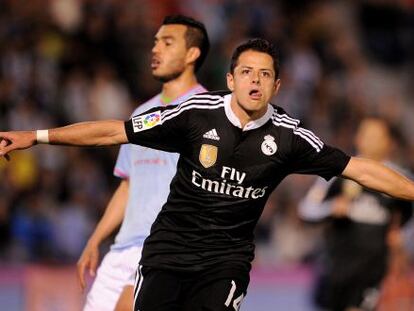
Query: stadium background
[65, 61]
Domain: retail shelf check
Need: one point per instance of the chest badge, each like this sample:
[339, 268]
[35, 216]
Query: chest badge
[269, 146]
[208, 155]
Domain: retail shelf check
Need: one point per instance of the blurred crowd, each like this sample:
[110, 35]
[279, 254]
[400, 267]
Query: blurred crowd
[64, 61]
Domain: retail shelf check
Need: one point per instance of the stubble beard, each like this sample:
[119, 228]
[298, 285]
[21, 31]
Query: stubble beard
[168, 77]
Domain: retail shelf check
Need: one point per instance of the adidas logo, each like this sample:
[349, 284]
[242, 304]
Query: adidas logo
[212, 134]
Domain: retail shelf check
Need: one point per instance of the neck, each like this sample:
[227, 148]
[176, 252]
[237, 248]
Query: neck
[245, 116]
[173, 89]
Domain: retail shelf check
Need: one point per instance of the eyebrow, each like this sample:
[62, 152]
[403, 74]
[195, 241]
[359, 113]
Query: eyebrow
[261, 69]
[164, 37]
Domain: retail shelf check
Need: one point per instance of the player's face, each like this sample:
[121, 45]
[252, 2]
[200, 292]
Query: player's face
[373, 139]
[169, 52]
[253, 82]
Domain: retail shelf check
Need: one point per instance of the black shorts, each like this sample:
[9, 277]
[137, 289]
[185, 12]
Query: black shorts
[216, 289]
[354, 293]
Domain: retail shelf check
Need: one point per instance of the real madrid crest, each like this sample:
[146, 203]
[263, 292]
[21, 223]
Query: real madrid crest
[269, 146]
[208, 155]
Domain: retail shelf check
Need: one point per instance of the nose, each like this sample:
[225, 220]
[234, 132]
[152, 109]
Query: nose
[156, 48]
[255, 77]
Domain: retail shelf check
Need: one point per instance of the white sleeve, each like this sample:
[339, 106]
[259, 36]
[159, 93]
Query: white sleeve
[313, 207]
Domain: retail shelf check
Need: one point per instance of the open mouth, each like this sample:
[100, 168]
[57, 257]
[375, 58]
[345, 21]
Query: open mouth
[155, 63]
[255, 94]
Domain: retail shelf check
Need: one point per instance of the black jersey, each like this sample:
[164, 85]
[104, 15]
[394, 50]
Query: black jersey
[224, 176]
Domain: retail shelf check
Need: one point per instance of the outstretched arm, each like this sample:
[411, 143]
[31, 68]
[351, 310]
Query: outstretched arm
[96, 133]
[376, 176]
[112, 218]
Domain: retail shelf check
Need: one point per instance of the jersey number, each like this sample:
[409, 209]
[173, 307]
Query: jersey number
[237, 301]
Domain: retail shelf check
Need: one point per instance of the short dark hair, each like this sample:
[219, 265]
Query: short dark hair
[259, 45]
[196, 35]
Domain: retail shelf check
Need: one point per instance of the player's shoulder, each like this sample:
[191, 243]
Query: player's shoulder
[203, 101]
[220, 93]
[293, 128]
[280, 118]
[198, 105]
[209, 96]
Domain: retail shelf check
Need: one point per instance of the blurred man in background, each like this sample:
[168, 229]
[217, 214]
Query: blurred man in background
[363, 227]
[180, 47]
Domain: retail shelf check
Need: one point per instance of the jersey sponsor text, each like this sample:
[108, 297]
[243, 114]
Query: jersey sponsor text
[223, 187]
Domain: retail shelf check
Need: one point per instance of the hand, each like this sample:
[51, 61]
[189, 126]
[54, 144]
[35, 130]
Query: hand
[3, 143]
[340, 207]
[88, 260]
[10, 141]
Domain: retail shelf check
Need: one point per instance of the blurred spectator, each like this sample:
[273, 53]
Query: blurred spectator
[32, 229]
[72, 225]
[108, 97]
[75, 92]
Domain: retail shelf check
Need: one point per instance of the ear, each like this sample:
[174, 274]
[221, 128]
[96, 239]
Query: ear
[193, 54]
[230, 81]
[276, 87]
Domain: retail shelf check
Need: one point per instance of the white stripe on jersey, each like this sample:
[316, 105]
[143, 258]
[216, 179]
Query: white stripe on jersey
[190, 104]
[311, 138]
[310, 135]
[288, 119]
[197, 99]
[203, 106]
[285, 117]
[138, 284]
[310, 141]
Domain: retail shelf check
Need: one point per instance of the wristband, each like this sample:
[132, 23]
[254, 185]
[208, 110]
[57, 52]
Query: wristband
[42, 136]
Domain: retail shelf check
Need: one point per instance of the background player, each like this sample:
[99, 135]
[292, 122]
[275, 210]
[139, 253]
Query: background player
[199, 252]
[180, 47]
[363, 227]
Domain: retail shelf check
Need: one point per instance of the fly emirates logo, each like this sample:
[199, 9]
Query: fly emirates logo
[224, 186]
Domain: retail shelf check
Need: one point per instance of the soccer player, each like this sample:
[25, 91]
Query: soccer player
[180, 47]
[362, 228]
[235, 148]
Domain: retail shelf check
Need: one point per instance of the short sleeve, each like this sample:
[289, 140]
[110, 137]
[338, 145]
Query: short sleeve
[311, 156]
[123, 163]
[162, 128]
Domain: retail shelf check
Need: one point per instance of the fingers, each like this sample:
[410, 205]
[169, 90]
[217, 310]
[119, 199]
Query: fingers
[93, 265]
[3, 144]
[81, 273]
[16, 140]
[88, 261]
[5, 150]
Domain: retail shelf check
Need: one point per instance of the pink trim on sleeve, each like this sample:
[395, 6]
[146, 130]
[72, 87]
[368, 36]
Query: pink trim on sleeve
[119, 173]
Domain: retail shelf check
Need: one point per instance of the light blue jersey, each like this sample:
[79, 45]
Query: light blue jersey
[150, 173]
